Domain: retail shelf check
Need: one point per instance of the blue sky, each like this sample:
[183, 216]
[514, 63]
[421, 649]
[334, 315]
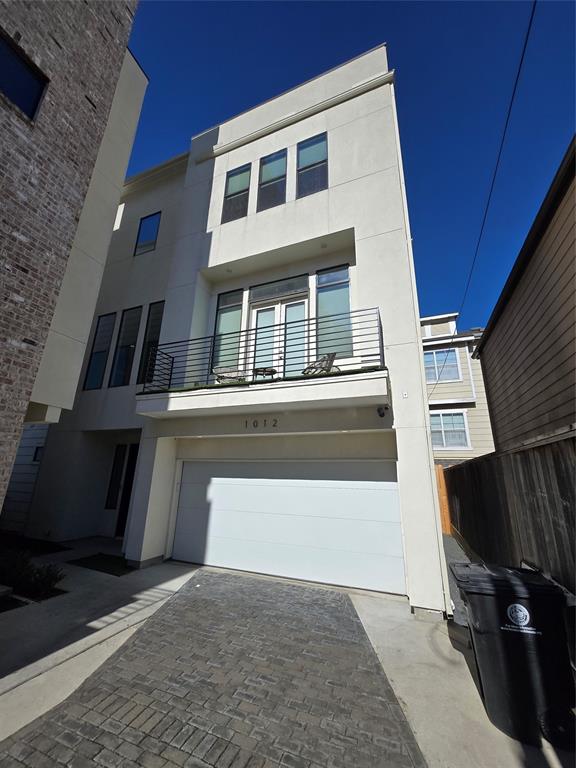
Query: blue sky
[455, 64]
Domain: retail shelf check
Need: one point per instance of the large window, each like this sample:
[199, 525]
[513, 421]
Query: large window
[20, 80]
[334, 332]
[449, 430]
[441, 365]
[147, 234]
[100, 350]
[312, 165]
[151, 339]
[125, 347]
[227, 330]
[272, 186]
[236, 194]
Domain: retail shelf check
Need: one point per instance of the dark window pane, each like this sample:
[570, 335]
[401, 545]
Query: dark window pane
[312, 151]
[271, 194]
[230, 299]
[330, 276]
[235, 207]
[151, 339]
[125, 346]
[20, 81]
[311, 180]
[278, 288]
[116, 477]
[147, 233]
[100, 349]
[237, 181]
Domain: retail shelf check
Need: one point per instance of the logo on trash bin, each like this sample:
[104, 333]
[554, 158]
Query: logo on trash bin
[518, 614]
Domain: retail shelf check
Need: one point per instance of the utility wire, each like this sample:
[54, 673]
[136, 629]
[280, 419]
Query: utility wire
[492, 183]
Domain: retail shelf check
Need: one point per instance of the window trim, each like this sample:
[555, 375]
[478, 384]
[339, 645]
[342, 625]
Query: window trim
[437, 380]
[452, 448]
[140, 379]
[261, 184]
[142, 218]
[21, 53]
[236, 194]
[313, 165]
[87, 371]
[128, 309]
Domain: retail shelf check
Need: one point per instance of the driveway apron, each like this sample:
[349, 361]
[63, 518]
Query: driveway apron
[234, 671]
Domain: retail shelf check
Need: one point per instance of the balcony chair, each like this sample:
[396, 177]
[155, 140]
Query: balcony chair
[229, 376]
[324, 364]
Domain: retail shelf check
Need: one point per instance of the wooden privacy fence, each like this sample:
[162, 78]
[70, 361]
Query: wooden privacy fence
[443, 499]
[517, 506]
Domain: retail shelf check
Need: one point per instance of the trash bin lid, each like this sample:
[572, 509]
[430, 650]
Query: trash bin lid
[485, 579]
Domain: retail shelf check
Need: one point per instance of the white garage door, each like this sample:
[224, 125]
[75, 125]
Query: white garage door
[336, 522]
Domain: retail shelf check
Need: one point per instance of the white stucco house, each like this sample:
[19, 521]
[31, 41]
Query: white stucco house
[253, 396]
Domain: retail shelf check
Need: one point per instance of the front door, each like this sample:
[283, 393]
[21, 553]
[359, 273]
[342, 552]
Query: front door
[279, 339]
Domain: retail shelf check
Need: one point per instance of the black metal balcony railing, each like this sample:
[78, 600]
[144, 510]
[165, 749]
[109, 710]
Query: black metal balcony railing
[326, 346]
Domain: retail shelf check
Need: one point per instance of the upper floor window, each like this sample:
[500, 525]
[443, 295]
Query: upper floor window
[312, 165]
[441, 365]
[272, 186]
[125, 347]
[20, 79]
[147, 234]
[227, 329]
[449, 430]
[334, 332]
[100, 350]
[236, 194]
[151, 339]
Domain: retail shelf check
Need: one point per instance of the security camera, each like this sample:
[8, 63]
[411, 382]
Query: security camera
[381, 410]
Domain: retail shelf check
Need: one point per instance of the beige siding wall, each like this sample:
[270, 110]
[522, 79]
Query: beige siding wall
[453, 390]
[528, 360]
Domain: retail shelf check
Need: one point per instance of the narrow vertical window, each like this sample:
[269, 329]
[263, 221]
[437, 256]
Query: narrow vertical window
[227, 330]
[272, 183]
[312, 165]
[125, 347]
[147, 234]
[151, 339]
[236, 194]
[100, 350]
[21, 81]
[334, 329]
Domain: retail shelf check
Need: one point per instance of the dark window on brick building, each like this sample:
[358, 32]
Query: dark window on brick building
[151, 339]
[312, 165]
[100, 350]
[125, 347]
[147, 234]
[236, 194]
[272, 186]
[20, 80]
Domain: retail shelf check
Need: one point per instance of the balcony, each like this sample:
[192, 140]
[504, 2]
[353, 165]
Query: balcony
[277, 365]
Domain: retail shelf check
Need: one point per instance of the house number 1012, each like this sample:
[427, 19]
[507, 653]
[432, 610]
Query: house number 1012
[260, 423]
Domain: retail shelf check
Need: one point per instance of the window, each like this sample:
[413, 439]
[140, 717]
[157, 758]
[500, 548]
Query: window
[441, 365]
[125, 346]
[227, 330]
[312, 166]
[449, 430]
[147, 234]
[100, 350]
[151, 339]
[272, 186]
[279, 288]
[236, 194]
[38, 451]
[334, 331]
[20, 80]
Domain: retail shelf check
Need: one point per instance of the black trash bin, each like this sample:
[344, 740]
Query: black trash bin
[516, 620]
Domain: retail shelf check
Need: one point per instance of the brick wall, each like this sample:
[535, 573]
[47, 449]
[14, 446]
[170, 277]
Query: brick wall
[45, 168]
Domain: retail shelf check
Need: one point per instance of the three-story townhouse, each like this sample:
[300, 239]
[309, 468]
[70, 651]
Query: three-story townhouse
[254, 394]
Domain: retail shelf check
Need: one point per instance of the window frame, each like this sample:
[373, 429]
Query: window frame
[24, 57]
[439, 367]
[262, 184]
[450, 412]
[300, 196]
[327, 286]
[91, 389]
[124, 311]
[143, 364]
[245, 166]
[143, 218]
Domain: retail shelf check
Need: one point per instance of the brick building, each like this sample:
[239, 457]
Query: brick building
[70, 97]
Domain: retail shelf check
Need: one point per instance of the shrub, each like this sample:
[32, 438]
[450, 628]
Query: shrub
[25, 577]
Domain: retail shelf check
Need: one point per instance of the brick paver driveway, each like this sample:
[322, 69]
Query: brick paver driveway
[235, 672]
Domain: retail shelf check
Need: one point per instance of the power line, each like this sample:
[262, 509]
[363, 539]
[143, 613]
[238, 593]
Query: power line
[492, 183]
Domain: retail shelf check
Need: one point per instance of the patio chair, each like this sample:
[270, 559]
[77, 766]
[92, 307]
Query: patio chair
[229, 375]
[324, 364]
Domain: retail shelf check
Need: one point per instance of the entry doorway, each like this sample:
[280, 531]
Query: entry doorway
[280, 337]
[121, 482]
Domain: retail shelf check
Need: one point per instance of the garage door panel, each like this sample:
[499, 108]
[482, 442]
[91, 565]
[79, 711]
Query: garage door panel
[336, 522]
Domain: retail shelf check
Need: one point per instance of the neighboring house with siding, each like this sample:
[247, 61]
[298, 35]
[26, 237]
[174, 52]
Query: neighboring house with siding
[253, 394]
[459, 418]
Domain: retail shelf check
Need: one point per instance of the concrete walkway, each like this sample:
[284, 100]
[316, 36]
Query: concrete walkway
[234, 671]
